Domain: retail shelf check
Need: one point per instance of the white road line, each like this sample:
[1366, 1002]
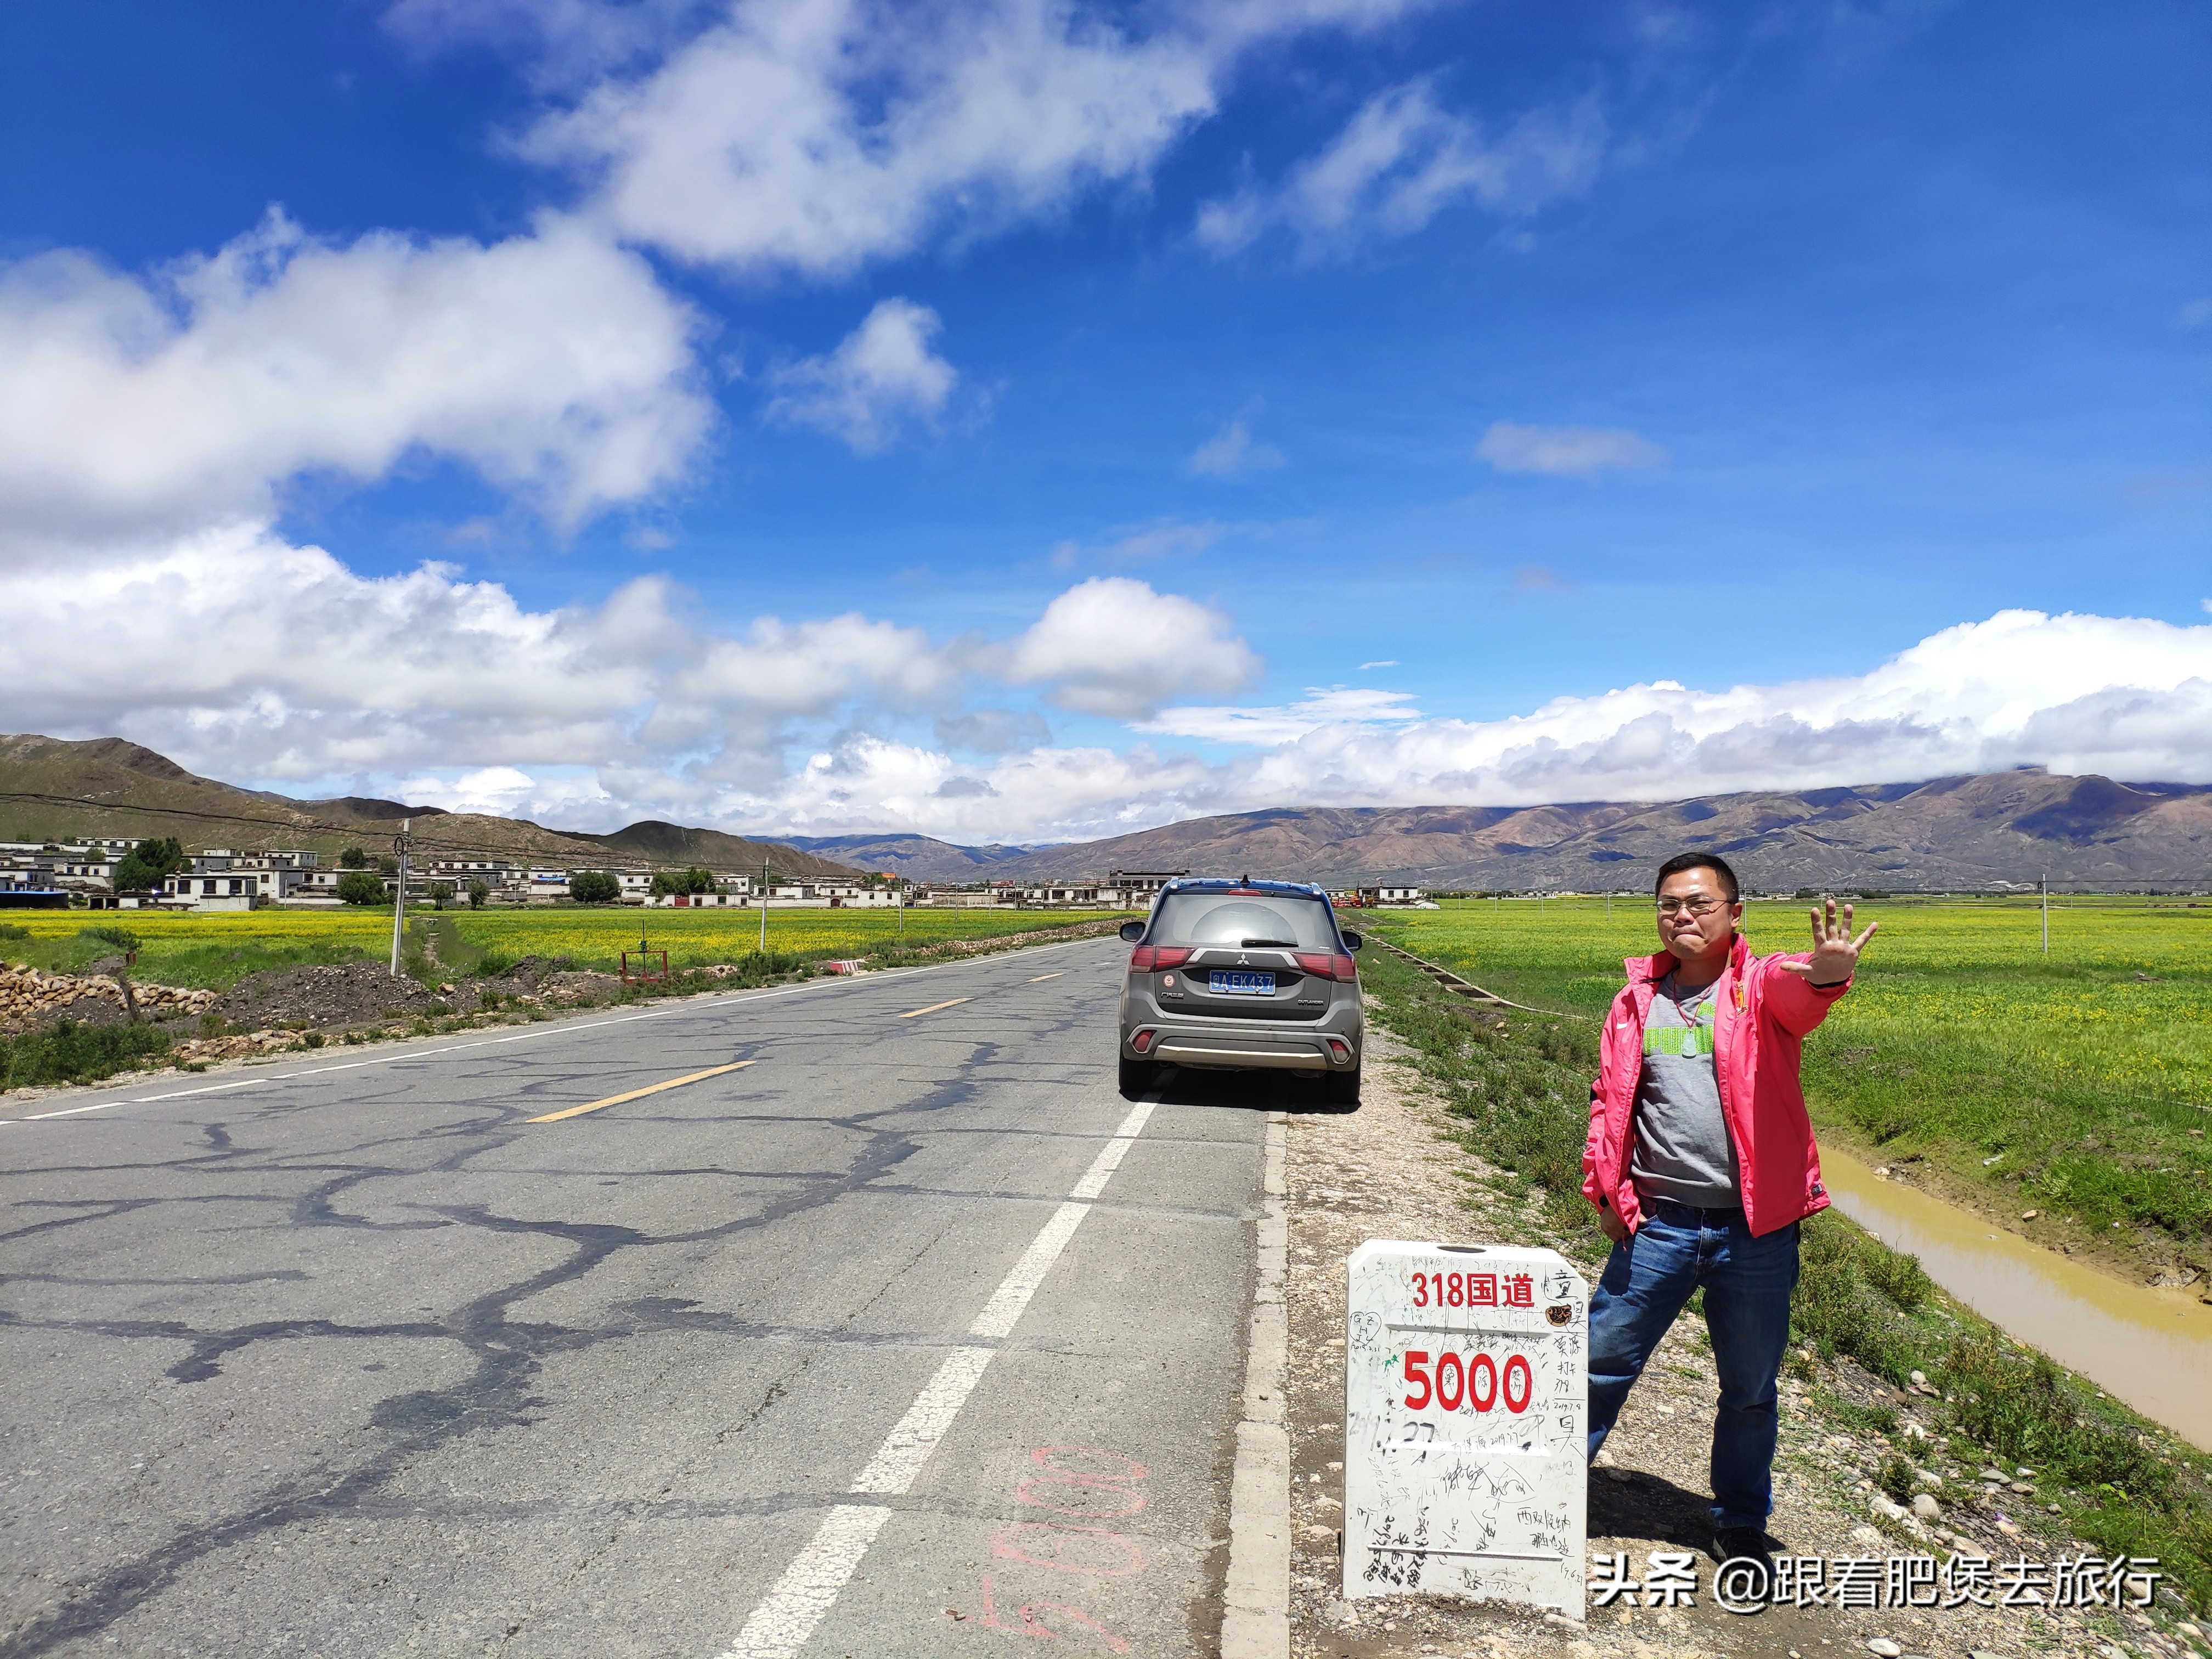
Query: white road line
[798, 1601]
[552, 1028]
[782, 1623]
[908, 1447]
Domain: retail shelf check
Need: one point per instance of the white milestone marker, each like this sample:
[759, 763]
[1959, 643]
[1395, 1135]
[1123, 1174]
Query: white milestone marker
[1465, 1419]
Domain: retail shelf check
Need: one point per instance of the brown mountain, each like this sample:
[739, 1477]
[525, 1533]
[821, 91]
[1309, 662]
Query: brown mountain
[1965, 832]
[51, 787]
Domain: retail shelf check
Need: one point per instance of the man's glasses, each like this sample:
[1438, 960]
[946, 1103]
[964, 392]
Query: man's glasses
[1698, 906]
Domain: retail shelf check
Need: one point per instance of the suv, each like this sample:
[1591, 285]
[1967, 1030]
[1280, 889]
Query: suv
[1238, 974]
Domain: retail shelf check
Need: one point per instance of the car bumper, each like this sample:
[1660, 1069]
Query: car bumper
[1307, 1050]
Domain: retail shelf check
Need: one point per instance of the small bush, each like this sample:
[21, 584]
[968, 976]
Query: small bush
[70, 1053]
[1896, 1481]
[9, 930]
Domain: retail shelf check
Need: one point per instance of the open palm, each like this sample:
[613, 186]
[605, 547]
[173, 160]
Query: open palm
[1835, 952]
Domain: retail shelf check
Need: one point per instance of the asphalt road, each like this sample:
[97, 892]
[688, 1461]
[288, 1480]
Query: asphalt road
[908, 1337]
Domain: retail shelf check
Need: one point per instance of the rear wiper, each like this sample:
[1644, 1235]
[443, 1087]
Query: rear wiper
[1285, 943]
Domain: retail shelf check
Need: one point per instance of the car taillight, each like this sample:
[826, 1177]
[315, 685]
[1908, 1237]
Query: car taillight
[1150, 958]
[1142, 1042]
[1323, 966]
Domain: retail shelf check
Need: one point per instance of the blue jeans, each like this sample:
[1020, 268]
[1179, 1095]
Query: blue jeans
[1748, 1283]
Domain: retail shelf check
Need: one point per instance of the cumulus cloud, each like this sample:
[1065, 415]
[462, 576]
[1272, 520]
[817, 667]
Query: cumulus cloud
[1566, 451]
[1111, 646]
[1231, 452]
[1402, 159]
[882, 375]
[553, 363]
[2125, 696]
[812, 135]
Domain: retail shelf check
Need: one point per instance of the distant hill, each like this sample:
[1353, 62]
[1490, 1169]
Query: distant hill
[1960, 832]
[918, 858]
[652, 840]
[51, 787]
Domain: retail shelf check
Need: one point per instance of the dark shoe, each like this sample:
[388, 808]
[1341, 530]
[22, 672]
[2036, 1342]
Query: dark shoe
[1748, 1543]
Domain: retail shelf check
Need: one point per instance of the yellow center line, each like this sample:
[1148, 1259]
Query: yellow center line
[1045, 976]
[638, 1094]
[916, 1013]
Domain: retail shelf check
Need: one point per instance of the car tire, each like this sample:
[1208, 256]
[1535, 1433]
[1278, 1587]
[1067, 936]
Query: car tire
[1138, 1077]
[1343, 1087]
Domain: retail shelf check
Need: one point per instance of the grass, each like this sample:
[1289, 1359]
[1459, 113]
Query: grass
[2071, 1083]
[67, 1052]
[1519, 1085]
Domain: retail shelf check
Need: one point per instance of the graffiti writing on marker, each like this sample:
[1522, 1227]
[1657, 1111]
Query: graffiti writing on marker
[1085, 1484]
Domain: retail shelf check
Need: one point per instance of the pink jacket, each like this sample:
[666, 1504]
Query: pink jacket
[1760, 1017]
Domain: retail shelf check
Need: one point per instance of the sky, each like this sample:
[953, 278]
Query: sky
[1014, 421]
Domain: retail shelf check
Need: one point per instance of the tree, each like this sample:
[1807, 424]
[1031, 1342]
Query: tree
[353, 858]
[694, 880]
[479, 890]
[144, 865]
[361, 887]
[441, 893]
[594, 887]
[388, 864]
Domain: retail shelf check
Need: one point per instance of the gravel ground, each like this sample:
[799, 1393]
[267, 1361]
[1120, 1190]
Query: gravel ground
[1386, 1171]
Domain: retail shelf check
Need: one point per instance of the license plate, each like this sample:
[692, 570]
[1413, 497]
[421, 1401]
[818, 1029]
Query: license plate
[1229, 982]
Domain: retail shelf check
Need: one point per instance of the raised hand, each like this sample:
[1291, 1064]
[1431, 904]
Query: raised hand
[1835, 952]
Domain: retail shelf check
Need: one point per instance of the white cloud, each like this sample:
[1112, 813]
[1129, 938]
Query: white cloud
[1231, 452]
[881, 375]
[2125, 696]
[812, 135]
[1320, 708]
[1402, 159]
[1566, 451]
[553, 363]
[1111, 646]
[564, 43]
[1382, 662]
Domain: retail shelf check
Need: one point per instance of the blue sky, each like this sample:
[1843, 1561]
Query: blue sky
[1012, 422]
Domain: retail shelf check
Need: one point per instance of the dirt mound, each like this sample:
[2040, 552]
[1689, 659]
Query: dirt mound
[343, 993]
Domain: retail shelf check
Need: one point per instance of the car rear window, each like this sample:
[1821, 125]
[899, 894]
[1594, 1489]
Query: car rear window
[1244, 919]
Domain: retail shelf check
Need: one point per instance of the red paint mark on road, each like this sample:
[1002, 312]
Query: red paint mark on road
[1091, 1550]
[1092, 1492]
[1029, 1624]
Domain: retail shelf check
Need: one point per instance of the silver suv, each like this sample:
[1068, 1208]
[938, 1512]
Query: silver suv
[1242, 974]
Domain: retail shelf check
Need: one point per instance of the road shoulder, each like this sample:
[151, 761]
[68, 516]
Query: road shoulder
[1392, 1170]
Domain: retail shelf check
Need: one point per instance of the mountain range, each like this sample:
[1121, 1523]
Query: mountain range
[53, 788]
[2015, 828]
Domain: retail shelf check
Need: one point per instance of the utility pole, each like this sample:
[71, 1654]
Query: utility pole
[2045, 886]
[763, 944]
[399, 902]
[900, 890]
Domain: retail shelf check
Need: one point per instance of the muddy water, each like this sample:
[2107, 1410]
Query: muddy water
[2151, 1348]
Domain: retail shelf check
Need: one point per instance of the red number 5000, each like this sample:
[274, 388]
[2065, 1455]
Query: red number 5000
[1474, 1382]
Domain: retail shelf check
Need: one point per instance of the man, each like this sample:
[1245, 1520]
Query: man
[1701, 1163]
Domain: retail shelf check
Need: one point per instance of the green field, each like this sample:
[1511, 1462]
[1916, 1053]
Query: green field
[217, 950]
[2086, 1075]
